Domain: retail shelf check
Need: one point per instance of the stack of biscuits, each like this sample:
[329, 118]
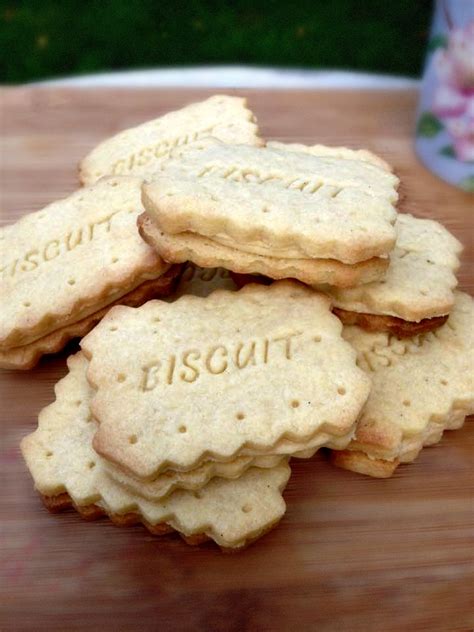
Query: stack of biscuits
[275, 211]
[65, 265]
[182, 413]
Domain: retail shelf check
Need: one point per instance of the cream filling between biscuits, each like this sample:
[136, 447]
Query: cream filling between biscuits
[360, 307]
[259, 247]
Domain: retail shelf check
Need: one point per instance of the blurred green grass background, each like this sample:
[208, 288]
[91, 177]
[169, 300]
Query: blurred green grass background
[50, 38]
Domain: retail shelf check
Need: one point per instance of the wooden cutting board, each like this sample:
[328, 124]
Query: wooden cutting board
[352, 553]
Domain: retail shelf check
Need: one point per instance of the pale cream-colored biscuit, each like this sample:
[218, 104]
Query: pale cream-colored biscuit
[27, 356]
[180, 383]
[278, 203]
[203, 281]
[141, 150]
[420, 279]
[195, 479]
[362, 463]
[363, 155]
[61, 459]
[307, 447]
[72, 258]
[209, 254]
[420, 387]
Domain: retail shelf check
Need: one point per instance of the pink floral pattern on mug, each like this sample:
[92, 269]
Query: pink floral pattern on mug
[446, 120]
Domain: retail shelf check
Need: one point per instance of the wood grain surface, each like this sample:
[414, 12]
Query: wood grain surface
[352, 553]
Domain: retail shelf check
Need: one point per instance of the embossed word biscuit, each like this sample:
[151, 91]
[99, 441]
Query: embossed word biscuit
[420, 387]
[179, 383]
[141, 150]
[71, 259]
[66, 471]
[208, 254]
[278, 203]
[418, 286]
[26, 356]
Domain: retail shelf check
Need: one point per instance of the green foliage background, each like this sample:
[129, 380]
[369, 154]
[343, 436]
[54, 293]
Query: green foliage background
[47, 38]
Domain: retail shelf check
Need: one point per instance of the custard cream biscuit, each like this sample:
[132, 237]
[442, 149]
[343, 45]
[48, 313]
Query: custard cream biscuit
[421, 386]
[141, 150]
[277, 203]
[211, 378]
[209, 254]
[418, 288]
[71, 259]
[67, 471]
[27, 356]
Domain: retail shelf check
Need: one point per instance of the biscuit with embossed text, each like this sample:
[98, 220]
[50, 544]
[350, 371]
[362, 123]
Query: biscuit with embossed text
[208, 254]
[67, 471]
[216, 377]
[27, 356]
[141, 150]
[71, 259]
[278, 203]
[421, 386]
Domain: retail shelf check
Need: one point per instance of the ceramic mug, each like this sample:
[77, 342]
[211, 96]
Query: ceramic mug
[445, 123]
